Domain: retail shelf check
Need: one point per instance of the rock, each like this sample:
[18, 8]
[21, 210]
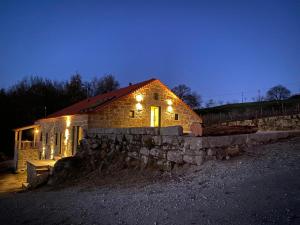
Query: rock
[172, 130]
[94, 146]
[211, 152]
[175, 156]
[157, 140]
[144, 161]
[232, 151]
[194, 159]
[158, 153]
[194, 143]
[144, 151]
[133, 155]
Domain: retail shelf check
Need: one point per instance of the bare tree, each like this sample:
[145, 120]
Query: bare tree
[103, 85]
[278, 93]
[184, 92]
[210, 103]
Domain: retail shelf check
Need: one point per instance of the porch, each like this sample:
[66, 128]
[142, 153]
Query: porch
[27, 145]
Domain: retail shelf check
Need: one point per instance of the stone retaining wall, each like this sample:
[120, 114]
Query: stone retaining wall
[290, 122]
[164, 147]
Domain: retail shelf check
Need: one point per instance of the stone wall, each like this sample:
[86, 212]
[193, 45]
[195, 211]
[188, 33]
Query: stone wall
[118, 113]
[55, 128]
[26, 155]
[165, 147]
[290, 122]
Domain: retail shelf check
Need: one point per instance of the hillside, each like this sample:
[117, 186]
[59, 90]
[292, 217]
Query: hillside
[250, 110]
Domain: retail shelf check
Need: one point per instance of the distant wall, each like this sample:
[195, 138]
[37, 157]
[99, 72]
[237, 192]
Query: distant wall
[291, 122]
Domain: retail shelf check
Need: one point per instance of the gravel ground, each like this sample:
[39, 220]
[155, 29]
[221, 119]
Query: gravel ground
[260, 187]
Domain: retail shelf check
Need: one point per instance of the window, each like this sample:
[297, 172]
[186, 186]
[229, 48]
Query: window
[176, 116]
[156, 96]
[131, 114]
[41, 137]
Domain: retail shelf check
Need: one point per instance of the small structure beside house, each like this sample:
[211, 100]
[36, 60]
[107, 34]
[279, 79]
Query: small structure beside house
[146, 104]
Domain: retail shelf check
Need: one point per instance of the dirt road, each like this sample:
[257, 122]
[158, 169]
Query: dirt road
[260, 187]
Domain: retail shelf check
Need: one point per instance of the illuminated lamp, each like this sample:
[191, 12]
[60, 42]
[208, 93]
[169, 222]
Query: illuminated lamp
[139, 98]
[169, 102]
[139, 106]
[170, 109]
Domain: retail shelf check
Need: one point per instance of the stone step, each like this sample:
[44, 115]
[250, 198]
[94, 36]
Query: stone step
[42, 171]
[25, 185]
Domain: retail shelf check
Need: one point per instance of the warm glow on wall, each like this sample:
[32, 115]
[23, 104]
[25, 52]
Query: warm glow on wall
[67, 134]
[36, 131]
[68, 121]
[43, 153]
[139, 106]
[170, 109]
[169, 102]
[52, 152]
[139, 98]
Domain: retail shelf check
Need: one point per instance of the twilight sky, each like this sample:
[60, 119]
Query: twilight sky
[219, 48]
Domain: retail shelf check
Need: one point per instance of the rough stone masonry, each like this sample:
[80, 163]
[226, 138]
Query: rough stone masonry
[164, 147]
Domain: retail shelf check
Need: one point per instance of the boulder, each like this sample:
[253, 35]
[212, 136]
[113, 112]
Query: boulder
[144, 151]
[158, 153]
[175, 156]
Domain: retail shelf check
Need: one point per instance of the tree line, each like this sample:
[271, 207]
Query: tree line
[276, 93]
[35, 97]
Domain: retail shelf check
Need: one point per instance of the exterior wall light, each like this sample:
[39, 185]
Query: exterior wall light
[170, 109]
[139, 98]
[139, 106]
[169, 102]
[36, 131]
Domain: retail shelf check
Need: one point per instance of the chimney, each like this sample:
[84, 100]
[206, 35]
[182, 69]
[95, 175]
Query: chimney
[130, 83]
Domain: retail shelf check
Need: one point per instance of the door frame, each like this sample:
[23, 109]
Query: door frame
[159, 115]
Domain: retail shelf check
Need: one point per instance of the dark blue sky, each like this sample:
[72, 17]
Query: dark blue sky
[218, 48]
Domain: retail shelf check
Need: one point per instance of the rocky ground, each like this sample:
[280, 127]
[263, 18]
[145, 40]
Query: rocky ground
[260, 187]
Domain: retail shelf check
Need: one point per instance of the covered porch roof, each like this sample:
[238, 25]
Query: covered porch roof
[34, 126]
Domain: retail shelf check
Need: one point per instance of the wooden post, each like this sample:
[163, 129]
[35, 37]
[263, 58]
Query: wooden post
[75, 140]
[16, 152]
[34, 138]
[20, 140]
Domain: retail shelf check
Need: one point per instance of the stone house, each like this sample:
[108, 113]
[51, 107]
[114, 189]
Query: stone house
[146, 104]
